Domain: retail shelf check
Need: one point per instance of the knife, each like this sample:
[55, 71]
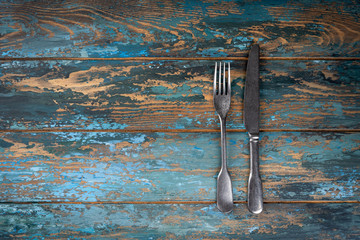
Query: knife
[251, 120]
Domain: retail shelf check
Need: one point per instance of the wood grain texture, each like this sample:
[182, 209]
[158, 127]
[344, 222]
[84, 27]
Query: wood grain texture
[79, 28]
[174, 95]
[90, 167]
[103, 221]
[68, 184]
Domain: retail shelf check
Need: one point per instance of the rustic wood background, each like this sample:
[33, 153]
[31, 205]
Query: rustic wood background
[108, 129]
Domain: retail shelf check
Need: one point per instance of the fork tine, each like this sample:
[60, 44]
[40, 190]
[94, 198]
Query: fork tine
[229, 81]
[224, 81]
[215, 91]
[219, 81]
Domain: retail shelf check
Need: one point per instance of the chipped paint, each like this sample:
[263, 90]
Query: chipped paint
[118, 166]
[111, 95]
[107, 167]
[97, 29]
[190, 221]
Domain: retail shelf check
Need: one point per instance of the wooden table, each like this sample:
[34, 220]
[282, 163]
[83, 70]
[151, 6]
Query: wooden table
[108, 128]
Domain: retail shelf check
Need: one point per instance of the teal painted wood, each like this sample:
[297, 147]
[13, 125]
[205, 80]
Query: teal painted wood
[138, 167]
[88, 167]
[201, 221]
[176, 94]
[76, 28]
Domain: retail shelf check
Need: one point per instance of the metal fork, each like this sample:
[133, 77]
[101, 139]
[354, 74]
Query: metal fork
[222, 95]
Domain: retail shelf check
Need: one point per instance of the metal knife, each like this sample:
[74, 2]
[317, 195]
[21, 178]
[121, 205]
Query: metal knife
[251, 120]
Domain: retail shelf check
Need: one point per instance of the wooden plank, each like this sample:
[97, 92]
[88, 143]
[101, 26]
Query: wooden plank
[177, 94]
[198, 221]
[75, 28]
[111, 167]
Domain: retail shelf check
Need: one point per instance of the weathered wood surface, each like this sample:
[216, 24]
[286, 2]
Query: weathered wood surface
[78, 28]
[174, 166]
[74, 170]
[174, 95]
[200, 221]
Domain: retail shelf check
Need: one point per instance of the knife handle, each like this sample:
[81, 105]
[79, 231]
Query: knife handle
[255, 194]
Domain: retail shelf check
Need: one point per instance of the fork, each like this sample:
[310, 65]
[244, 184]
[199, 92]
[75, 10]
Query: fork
[222, 95]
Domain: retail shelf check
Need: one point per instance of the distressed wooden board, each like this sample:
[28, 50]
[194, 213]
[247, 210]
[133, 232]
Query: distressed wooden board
[201, 221]
[174, 166]
[79, 28]
[173, 95]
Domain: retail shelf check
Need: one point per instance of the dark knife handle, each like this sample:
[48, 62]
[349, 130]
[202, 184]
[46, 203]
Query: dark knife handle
[255, 193]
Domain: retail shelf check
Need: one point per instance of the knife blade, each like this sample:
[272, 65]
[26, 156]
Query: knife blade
[251, 120]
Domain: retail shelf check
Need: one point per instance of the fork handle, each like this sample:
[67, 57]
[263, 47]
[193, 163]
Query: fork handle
[224, 186]
[255, 194]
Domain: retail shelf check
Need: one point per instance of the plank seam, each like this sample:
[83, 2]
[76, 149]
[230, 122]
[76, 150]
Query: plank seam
[170, 130]
[7, 59]
[184, 202]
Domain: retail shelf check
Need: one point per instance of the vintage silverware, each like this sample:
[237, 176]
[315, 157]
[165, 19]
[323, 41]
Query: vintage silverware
[251, 120]
[222, 95]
